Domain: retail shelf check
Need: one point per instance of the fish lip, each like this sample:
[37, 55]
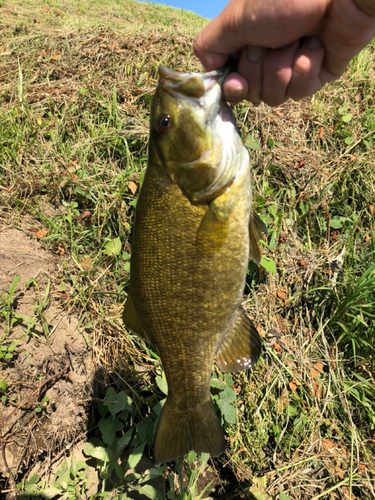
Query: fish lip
[164, 72]
[213, 77]
[209, 78]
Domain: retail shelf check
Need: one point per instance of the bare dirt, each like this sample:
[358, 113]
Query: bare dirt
[51, 362]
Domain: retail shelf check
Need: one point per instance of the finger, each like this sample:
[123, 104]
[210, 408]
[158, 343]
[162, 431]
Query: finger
[212, 45]
[209, 60]
[277, 73]
[235, 88]
[307, 65]
[246, 83]
[250, 68]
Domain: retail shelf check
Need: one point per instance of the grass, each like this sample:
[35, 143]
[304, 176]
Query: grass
[77, 81]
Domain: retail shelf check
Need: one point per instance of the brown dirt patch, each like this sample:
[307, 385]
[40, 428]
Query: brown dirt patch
[51, 360]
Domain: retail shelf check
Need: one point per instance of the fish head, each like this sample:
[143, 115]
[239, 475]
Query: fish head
[193, 135]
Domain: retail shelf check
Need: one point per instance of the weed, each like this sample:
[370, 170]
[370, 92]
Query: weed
[115, 457]
[40, 407]
[40, 307]
[6, 305]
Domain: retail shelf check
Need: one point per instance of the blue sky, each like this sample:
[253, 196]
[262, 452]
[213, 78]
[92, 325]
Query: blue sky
[205, 8]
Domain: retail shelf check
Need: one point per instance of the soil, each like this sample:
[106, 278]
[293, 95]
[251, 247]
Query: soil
[51, 362]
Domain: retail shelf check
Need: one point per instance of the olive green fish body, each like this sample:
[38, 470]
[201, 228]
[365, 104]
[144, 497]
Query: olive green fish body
[190, 251]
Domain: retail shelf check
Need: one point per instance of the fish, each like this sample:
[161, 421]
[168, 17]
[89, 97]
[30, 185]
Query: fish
[193, 235]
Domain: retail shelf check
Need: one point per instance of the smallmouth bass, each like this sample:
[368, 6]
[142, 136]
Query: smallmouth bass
[194, 232]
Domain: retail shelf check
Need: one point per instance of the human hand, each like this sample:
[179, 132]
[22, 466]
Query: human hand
[284, 49]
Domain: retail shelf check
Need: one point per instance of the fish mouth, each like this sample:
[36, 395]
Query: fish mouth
[204, 89]
[190, 84]
[208, 175]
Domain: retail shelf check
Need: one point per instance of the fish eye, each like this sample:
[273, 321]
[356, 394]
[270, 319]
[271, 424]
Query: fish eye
[164, 123]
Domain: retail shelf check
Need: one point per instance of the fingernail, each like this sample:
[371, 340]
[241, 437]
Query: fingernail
[314, 43]
[234, 94]
[254, 53]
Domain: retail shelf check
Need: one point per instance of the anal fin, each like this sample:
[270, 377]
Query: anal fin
[131, 319]
[241, 348]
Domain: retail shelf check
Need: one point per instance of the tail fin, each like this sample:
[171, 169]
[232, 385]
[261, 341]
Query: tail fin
[179, 432]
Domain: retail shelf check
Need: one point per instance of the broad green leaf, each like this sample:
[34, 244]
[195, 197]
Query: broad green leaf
[159, 406]
[113, 247]
[272, 209]
[348, 140]
[337, 222]
[98, 452]
[229, 412]
[132, 477]
[252, 143]
[124, 440]
[3, 385]
[145, 429]
[346, 118]
[283, 496]
[218, 384]
[33, 480]
[73, 467]
[224, 403]
[259, 488]
[117, 402]
[61, 473]
[268, 264]
[117, 467]
[50, 493]
[161, 382]
[152, 473]
[107, 430]
[190, 457]
[150, 492]
[136, 456]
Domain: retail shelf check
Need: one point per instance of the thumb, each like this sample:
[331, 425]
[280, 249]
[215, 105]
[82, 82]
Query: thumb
[263, 23]
[212, 45]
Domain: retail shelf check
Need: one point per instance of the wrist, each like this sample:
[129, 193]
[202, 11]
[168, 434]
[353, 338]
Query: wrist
[367, 6]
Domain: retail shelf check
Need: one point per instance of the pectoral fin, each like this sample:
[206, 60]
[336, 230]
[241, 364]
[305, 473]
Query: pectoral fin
[131, 319]
[257, 231]
[241, 348]
[213, 230]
